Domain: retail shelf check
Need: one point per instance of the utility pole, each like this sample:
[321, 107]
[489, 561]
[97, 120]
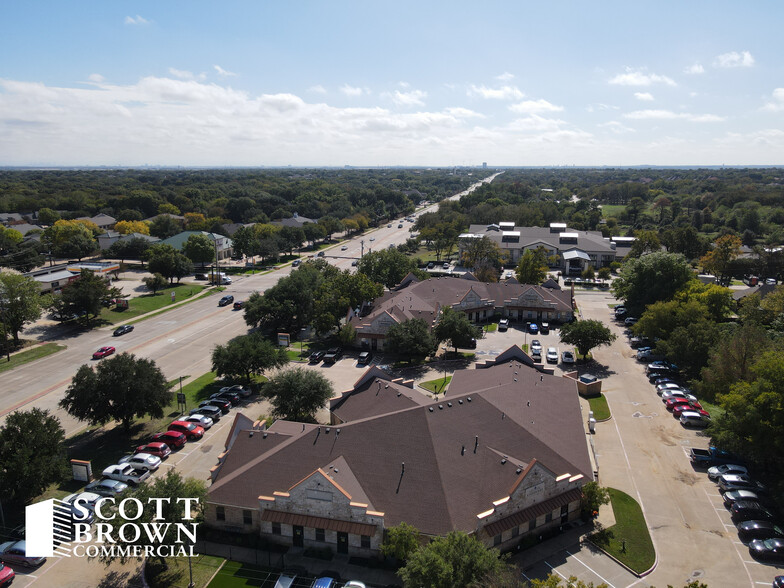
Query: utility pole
[217, 265]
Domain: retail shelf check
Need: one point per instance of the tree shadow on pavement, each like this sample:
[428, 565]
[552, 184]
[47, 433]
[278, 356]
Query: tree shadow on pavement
[115, 579]
[595, 368]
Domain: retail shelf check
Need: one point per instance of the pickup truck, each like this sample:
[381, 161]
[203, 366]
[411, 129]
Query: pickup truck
[705, 458]
[125, 472]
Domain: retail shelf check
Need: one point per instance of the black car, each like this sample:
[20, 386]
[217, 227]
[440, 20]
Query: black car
[767, 549]
[239, 305]
[230, 396]
[332, 355]
[544, 328]
[223, 405]
[226, 300]
[748, 530]
[778, 582]
[122, 330]
[749, 510]
[208, 410]
[316, 356]
[365, 357]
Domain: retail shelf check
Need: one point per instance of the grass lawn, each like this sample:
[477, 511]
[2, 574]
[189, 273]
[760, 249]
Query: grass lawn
[294, 353]
[30, 355]
[612, 209]
[628, 540]
[150, 302]
[437, 386]
[177, 574]
[714, 409]
[598, 404]
[490, 327]
[239, 575]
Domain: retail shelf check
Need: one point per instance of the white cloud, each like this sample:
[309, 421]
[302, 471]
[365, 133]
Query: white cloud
[138, 20]
[412, 98]
[459, 112]
[505, 77]
[351, 90]
[670, 115]
[695, 69]
[644, 96]
[181, 74]
[777, 103]
[637, 77]
[502, 93]
[601, 107]
[223, 72]
[535, 106]
[734, 59]
[317, 89]
[617, 127]
[96, 78]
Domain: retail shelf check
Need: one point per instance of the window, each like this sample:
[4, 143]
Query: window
[276, 528]
[564, 510]
[320, 535]
[548, 517]
[532, 524]
[365, 541]
[247, 517]
[515, 531]
[497, 539]
[220, 513]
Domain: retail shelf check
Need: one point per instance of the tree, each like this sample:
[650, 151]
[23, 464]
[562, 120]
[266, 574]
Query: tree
[400, 541]
[71, 238]
[458, 560]
[290, 238]
[9, 239]
[588, 273]
[338, 294]
[246, 356]
[155, 282]
[164, 226]
[297, 394]
[133, 248]
[604, 273]
[410, 339]
[593, 497]
[454, 326]
[32, 454]
[47, 216]
[245, 241]
[651, 278]
[586, 334]
[532, 267]
[120, 388]
[199, 248]
[717, 261]
[166, 260]
[387, 267]
[127, 226]
[484, 257]
[86, 295]
[20, 302]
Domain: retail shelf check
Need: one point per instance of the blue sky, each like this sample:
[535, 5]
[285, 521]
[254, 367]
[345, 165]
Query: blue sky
[391, 83]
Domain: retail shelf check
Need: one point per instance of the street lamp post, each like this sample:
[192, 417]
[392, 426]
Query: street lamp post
[301, 336]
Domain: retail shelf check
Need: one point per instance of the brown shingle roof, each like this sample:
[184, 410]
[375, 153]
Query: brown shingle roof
[375, 398]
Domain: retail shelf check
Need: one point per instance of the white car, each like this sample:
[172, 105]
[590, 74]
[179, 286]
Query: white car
[536, 345]
[667, 394]
[200, 419]
[142, 461]
[344, 247]
[503, 324]
[567, 357]
[372, 238]
[552, 355]
[727, 468]
[124, 472]
[86, 499]
[660, 388]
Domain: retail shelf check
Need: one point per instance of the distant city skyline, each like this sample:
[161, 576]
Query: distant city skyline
[245, 84]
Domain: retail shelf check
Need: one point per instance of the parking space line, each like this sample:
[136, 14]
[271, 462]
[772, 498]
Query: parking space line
[554, 570]
[735, 547]
[598, 575]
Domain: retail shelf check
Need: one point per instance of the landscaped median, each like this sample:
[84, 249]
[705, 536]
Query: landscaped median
[628, 539]
[599, 407]
[29, 355]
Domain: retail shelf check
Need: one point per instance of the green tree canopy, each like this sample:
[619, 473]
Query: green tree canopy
[199, 248]
[454, 326]
[651, 278]
[32, 454]
[336, 295]
[387, 267]
[155, 282]
[85, 295]
[166, 260]
[297, 394]
[586, 334]
[532, 267]
[121, 388]
[400, 541]
[410, 339]
[20, 302]
[246, 356]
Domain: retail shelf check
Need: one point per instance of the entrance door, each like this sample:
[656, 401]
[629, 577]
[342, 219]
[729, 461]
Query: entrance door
[298, 536]
[374, 344]
[342, 542]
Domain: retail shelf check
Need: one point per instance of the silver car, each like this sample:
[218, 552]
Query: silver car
[552, 355]
[142, 461]
[199, 419]
[15, 552]
[727, 468]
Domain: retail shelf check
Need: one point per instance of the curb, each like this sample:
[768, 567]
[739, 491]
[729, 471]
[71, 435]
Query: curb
[623, 565]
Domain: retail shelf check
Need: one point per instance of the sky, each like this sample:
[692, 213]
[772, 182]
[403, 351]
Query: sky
[380, 83]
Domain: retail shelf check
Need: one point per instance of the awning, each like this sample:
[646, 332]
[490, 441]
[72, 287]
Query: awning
[300, 520]
[575, 254]
[533, 512]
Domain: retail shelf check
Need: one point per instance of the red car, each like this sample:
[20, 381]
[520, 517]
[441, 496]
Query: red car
[103, 352]
[681, 408]
[6, 575]
[173, 439]
[671, 403]
[191, 430]
[157, 449]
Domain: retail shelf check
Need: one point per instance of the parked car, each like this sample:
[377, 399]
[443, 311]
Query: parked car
[667, 386]
[239, 305]
[6, 576]
[503, 324]
[730, 482]
[192, 431]
[332, 355]
[365, 357]
[232, 397]
[567, 357]
[667, 394]
[665, 380]
[174, 439]
[142, 461]
[354, 584]
[691, 418]
[778, 582]
[726, 468]
[320, 254]
[202, 420]
[223, 405]
[748, 530]
[226, 300]
[430, 265]
[237, 389]
[445, 265]
[767, 549]
[711, 456]
[126, 473]
[285, 580]
[317, 356]
[103, 352]
[536, 344]
[544, 329]
[106, 487]
[15, 552]
[533, 328]
[681, 407]
[87, 500]
[213, 412]
[121, 330]
[156, 448]
[552, 355]
[749, 510]
[732, 497]
[675, 401]
[630, 320]
[354, 263]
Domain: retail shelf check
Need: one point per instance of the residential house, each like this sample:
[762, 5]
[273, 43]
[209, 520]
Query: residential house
[223, 244]
[296, 221]
[104, 221]
[110, 237]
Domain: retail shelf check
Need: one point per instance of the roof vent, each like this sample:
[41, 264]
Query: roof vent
[337, 431]
[430, 409]
[336, 470]
[460, 402]
[440, 407]
[503, 461]
[399, 394]
[264, 436]
[469, 399]
[250, 433]
[518, 470]
[327, 430]
[387, 386]
[449, 404]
